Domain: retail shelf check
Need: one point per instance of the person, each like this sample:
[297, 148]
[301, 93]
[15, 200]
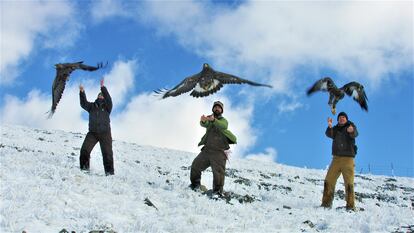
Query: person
[99, 129]
[213, 153]
[343, 153]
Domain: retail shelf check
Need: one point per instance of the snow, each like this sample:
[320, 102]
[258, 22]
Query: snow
[43, 190]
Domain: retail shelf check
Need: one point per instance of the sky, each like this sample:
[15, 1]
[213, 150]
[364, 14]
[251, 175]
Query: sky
[156, 44]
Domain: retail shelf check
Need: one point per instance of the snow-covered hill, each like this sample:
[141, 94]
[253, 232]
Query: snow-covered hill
[43, 190]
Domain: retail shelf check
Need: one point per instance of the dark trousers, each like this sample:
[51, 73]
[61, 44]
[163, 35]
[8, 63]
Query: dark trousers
[105, 141]
[214, 158]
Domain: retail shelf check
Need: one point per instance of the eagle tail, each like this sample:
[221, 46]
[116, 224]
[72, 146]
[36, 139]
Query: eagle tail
[50, 113]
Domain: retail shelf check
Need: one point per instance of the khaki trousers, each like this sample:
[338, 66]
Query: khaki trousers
[345, 166]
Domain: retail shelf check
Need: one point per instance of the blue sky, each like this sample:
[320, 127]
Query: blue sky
[151, 45]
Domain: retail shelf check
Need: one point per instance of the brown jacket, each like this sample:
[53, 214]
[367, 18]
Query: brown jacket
[343, 143]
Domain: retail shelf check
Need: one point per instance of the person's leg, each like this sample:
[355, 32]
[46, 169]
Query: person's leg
[85, 152]
[348, 174]
[200, 163]
[105, 141]
[330, 182]
[218, 165]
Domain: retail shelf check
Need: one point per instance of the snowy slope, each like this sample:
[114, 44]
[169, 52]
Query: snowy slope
[42, 190]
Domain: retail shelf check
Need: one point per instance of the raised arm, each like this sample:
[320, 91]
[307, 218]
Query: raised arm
[329, 130]
[83, 101]
[107, 98]
[204, 121]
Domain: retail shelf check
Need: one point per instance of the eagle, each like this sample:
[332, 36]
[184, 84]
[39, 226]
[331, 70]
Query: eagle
[63, 71]
[354, 89]
[207, 82]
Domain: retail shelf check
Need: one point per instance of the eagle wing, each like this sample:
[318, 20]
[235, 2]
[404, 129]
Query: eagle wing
[185, 86]
[232, 79]
[63, 72]
[356, 90]
[57, 89]
[323, 84]
[90, 68]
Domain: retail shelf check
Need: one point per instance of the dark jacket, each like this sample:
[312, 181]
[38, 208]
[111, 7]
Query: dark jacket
[343, 143]
[99, 111]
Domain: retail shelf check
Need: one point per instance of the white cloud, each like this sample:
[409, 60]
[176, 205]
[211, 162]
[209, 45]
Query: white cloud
[270, 155]
[49, 24]
[120, 80]
[104, 9]
[285, 106]
[32, 111]
[364, 41]
[174, 122]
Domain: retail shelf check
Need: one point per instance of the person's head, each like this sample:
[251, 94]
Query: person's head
[218, 108]
[100, 96]
[342, 118]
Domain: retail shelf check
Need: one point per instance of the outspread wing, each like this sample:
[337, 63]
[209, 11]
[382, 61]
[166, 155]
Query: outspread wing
[232, 79]
[185, 86]
[63, 71]
[57, 89]
[357, 92]
[324, 84]
[91, 68]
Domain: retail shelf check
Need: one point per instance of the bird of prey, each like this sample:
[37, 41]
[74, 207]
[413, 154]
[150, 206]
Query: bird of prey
[63, 71]
[207, 82]
[353, 89]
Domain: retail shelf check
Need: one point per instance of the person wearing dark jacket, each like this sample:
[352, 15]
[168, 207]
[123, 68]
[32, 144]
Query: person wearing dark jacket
[216, 140]
[343, 153]
[99, 129]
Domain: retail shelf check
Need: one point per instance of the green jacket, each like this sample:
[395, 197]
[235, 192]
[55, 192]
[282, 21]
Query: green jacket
[221, 123]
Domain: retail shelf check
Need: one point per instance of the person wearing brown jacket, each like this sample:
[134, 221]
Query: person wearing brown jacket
[343, 153]
[215, 141]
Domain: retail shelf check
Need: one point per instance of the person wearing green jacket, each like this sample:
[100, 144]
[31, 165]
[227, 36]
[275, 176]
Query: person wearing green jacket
[215, 142]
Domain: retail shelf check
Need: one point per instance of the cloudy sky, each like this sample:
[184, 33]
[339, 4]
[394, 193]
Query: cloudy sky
[155, 44]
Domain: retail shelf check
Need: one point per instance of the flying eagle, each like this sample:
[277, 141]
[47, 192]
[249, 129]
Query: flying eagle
[63, 71]
[207, 82]
[353, 89]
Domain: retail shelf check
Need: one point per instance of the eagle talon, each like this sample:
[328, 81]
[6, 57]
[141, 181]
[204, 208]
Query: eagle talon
[333, 110]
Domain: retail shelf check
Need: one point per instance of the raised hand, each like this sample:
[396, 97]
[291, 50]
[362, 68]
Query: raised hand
[210, 118]
[203, 118]
[102, 82]
[81, 88]
[350, 129]
[329, 122]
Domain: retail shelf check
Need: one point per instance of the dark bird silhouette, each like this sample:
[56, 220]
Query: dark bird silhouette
[63, 71]
[207, 82]
[353, 89]
[149, 203]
